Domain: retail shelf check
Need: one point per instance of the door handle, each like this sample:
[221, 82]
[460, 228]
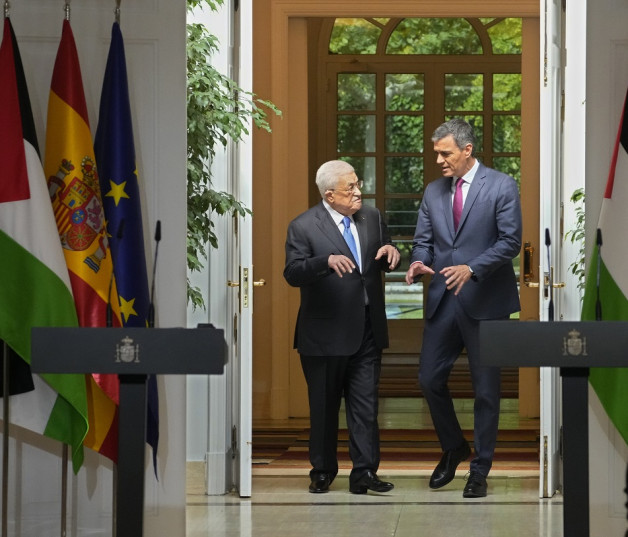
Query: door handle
[528, 263]
[259, 283]
[232, 284]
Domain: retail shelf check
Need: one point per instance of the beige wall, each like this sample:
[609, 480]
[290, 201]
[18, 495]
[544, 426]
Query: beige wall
[281, 176]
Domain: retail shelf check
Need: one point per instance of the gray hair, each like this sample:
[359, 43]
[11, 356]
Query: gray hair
[461, 131]
[328, 174]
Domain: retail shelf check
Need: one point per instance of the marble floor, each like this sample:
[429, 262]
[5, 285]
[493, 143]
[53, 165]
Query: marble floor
[281, 506]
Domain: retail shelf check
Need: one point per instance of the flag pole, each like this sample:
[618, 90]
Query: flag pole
[64, 489]
[5, 436]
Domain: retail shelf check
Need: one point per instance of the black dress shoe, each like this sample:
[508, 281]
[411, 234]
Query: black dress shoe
[476, 486]
[367, 481]
[445, 470]
[320, 483]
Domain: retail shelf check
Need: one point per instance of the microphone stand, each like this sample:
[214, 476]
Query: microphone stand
[151, 306]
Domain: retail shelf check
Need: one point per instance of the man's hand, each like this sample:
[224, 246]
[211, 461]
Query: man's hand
[340, 264]
[457, 276]
[417, 269]
[392, 255]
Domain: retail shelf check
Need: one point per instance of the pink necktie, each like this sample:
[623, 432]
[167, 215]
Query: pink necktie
[457, 207]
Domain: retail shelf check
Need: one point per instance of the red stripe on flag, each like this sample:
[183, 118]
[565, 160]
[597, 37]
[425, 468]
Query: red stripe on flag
[85, 294]
[12, 155]
[64, 83]
[109, 447]
[608, 193]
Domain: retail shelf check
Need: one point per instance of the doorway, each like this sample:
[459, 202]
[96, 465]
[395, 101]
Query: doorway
[286, 39]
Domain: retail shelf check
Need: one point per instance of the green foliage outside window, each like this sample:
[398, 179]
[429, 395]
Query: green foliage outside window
[217, 112]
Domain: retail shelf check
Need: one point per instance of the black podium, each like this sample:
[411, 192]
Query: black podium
[574, 347]
[132, 354]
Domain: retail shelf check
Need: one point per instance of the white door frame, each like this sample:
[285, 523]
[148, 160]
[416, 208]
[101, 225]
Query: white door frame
[228, 397]
[550, 203]
[243, 190]
[562, 125]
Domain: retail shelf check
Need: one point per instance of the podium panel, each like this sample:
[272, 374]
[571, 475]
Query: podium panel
[128, 351]
[554, 344]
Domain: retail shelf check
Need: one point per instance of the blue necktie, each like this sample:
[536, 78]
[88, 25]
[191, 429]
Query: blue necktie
[348, 236]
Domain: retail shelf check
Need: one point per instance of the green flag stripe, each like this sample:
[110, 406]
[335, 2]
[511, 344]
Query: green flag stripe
[609, 383]
[44, 301]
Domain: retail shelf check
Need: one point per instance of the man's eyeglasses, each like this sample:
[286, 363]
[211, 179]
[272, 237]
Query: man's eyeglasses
[351, 188]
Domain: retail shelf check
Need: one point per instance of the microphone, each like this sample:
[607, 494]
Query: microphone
[598, 304]
[550, 309]
[151, 306]
[109, 308]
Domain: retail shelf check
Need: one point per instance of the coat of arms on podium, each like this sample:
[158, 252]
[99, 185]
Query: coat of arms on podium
[126, 351]
[574, 345]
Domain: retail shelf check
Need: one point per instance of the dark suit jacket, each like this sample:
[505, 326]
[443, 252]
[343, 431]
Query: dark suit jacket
[332, 312]
[488, 238]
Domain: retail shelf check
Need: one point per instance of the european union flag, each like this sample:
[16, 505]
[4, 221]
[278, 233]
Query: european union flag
[115, 157]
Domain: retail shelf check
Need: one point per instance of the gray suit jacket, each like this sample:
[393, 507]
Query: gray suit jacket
[332, 312]
[488, 238]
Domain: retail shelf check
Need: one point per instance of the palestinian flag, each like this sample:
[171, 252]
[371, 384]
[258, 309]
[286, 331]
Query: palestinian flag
[34, 284]
[611, 384]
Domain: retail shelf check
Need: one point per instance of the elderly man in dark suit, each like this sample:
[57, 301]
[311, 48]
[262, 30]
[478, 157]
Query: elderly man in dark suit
[335, 253]
[468, 231]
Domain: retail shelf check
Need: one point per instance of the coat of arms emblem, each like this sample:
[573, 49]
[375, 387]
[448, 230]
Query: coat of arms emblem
[126, 351]
[574, 345]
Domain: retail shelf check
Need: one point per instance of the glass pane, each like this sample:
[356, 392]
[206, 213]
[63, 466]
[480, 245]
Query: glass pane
[356, 134]
[403, 301]
[477, 122]
[507, 91]
[353, 36]
[404, 134]
[356, 91]
[434, 36]
[401, 215]
[507, 134]
[365, 169]
[404, 92]
[464, 92]
[404, 175]
[506, 36]
[509, 165]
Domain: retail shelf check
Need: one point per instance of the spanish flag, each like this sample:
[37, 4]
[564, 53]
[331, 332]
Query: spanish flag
[73, 186]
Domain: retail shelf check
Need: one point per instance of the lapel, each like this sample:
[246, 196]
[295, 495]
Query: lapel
[328, 227]
[445, 197]
[476, 186]
[361, 225]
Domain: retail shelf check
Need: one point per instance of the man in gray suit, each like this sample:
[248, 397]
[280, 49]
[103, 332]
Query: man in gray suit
[335, 253]
[468, 231]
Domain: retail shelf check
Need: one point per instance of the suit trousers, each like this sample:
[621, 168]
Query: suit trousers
[445, 335]
[357, 378]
